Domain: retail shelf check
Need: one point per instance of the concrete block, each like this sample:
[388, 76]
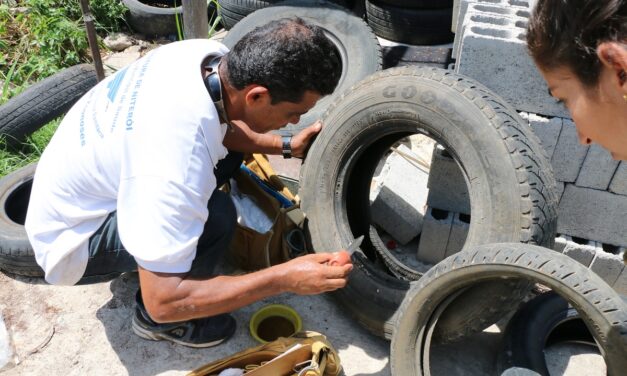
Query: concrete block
[447, 186]
[560, 244]
[399, 206]
[560, 190]
[621, 283]
[493, 51]
[436, 230]
[548, 131]
[619, 181]
[592, 214]
[607, 266]
[458, 234]
[582, 253]
[569, 154]
[598, 169]
[519, 8]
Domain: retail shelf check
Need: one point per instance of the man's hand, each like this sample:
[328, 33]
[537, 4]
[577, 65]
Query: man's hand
[301, 141]
[311, 274]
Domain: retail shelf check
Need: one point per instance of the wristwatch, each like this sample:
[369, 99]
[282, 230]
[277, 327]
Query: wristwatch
[286, 147]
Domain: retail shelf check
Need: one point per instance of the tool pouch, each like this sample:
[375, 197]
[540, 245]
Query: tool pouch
[305, 353]
[254, 250]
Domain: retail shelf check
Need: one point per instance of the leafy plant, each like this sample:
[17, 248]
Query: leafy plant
[11, 160]
[48, 37]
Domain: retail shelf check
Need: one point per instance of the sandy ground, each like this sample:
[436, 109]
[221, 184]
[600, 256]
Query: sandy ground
[86, 330]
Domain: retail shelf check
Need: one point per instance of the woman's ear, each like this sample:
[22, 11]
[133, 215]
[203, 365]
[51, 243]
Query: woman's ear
[613, 55]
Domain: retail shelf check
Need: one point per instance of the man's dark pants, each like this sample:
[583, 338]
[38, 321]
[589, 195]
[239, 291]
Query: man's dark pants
[107, 254]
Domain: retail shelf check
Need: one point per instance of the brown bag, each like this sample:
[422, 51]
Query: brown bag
[253, 250]
[305, 354]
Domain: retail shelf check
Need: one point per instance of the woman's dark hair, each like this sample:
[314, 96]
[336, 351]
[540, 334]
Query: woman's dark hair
[288, 57]
[567, 33]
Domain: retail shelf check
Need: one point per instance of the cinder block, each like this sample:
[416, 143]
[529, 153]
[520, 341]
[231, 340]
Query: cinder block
[548, 131]
[399, 206]
[621, 283]
[593, 214]
[569, 154]
[607, 266]
[447, 186]
[560, 244]
[518, 8]
[493, 51]
[458, 234]
[436, 230]
[619, 181]
[598, 169]
[582, 253]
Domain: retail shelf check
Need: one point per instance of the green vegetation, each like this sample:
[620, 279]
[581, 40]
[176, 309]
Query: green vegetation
[42, 38]
[48, 37]
[12, 160]
[36, 43]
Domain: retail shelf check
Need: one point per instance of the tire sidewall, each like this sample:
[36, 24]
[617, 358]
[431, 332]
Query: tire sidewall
[468, 130]
[456, 273]
[13, 235]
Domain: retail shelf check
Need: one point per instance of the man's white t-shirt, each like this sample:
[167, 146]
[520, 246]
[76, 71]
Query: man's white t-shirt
[143, 142]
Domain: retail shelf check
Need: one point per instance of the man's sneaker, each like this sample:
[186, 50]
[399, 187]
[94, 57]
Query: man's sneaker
[205, 332]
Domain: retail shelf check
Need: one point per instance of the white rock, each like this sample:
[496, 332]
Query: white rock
[118, 41]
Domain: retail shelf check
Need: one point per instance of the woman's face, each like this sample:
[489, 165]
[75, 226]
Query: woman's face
[600, 113]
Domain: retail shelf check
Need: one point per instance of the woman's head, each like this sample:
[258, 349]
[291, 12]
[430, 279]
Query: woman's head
[580, 47]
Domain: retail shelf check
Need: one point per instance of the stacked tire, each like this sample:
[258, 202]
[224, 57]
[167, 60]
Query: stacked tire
[158, 17]
[417, 22]
[233, 11]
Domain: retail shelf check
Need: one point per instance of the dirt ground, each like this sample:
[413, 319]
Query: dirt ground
[86, 330]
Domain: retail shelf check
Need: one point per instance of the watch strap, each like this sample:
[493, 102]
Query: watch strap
[286, 146]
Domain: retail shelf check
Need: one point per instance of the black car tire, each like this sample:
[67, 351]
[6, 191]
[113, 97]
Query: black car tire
[16, 253]
[512, 188]
[601, 308]
[159, 20]
[541, 322]
[44, 101]
[417, 4]
[410, 26]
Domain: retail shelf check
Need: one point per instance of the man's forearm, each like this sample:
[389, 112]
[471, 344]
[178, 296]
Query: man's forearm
[243, 139]
[179, 299]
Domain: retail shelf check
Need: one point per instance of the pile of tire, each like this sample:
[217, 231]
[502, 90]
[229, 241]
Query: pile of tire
[233, 11]
[417, 22]
[512, 188]
[581, 306]
[157, 18]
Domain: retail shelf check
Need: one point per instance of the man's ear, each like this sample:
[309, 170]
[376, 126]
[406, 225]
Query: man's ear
[256, 94]
[613, 55]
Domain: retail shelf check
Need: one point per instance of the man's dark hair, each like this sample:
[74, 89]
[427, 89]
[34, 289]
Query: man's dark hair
[567, 33]
[288, 57]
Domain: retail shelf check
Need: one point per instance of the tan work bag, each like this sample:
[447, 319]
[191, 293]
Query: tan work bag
[305, 353]
[253, 250]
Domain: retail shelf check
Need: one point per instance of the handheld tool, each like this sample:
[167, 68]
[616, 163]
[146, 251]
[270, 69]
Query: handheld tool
[354, 245]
